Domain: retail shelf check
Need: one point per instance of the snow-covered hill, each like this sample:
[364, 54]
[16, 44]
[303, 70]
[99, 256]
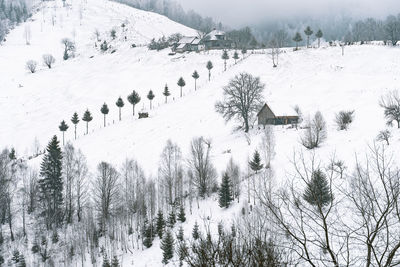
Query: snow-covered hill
[33, 105]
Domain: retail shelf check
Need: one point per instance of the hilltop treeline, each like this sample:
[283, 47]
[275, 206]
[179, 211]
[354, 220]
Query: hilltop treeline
[12, 13]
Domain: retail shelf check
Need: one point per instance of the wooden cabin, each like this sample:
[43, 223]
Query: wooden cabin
[279, 115]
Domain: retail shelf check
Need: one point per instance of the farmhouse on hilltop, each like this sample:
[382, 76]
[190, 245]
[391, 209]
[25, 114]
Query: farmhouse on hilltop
[277, 115]
[216, 40]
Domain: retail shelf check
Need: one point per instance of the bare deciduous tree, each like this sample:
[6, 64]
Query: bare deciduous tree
[315, 132]
[105, 189]
[391, 105]
[31, 65]
[48, 60]
[201, 168]
[242, 98]
[384, 135]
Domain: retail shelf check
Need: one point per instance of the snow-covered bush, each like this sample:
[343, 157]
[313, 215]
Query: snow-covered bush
[315, 132]
[48, 60]
[344, 118]
[31, 65]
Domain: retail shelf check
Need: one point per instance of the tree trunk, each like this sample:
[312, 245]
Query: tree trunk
[63, 137]
[181, 91]
[195, 84]
[87, 127]
[75, 131]
[319, 42]
[119, 114]
[209, 75]
[133, 110]
[166, 99]
[104, 120]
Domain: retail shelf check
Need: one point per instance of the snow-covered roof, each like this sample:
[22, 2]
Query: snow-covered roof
[187, 40]
[181, 46]
[213, 35]
[282, 108]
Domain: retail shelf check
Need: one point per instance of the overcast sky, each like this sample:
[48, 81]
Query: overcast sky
[242, 12]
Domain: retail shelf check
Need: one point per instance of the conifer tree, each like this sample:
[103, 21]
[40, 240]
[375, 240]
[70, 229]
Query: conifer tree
[297, 38]
[235, 56]
[160, 224]
[195, 231]
[87, 117]
[244, 51]
[166, 93]
[209, 67]
[167, 246]
[63, 128]
[308, 32]
[181, 214]
[134, 99]
[106, 261]
[171, 219]
[318, 192]
[150, 96]
[255, 163]
[319, 35]
[181, 84]
[225, 57]
[12, 154]
[195, 76]
[104, 110]
[148, 235]
[51, 184]
[115, 262]
[75, 121]
[120, 104]
[225, 192]
[180, 234]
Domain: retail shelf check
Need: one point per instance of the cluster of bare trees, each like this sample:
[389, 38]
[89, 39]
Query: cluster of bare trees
[326, 216]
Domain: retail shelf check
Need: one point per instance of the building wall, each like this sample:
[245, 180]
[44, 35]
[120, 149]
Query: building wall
[266, 116]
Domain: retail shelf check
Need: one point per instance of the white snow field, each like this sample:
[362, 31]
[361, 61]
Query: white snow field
[33, 105]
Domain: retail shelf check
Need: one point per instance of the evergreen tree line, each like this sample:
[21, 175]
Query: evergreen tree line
[11, 14]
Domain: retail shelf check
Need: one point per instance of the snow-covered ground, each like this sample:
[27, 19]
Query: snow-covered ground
[33, 105]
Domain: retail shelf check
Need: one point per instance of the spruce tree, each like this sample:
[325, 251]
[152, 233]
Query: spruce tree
[115, 262]
[150, 96]
[180, 234]
[87, 117]
[63, 128]
[106, 261]
[171, 219]
[195, 231]
[181, 83]
[134, 99]
[209, 67]
[148, 235]
[160, 224]
[225, 192]
[75, 121]
[318, 192]
[319, 35]
[255, 163]
[308, 32]
[51, 184]
[15, 256]
[167, 246]
[225, 57]
[181, 214]
[195, 76]
[104, 110]
[235, 56]
[166, 93]
[12, 154]
[120, 104]
[297, 38]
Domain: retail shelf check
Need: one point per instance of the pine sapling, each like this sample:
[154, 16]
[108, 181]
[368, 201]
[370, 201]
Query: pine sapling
[166, 93]
[75, 121]
[104, 110]
[195, 76]
[63, 128]
[120, 104]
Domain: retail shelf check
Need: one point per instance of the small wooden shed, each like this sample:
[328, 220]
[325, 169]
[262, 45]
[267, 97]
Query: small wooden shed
[277, 115]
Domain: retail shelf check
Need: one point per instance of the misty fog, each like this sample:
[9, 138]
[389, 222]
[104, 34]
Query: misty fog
[235, 13]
